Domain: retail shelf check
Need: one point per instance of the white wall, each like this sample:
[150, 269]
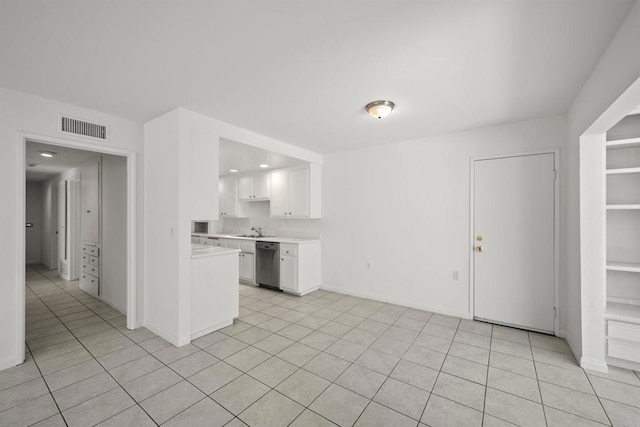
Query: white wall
[34, 215]
[113, 254]
[405, 208]
[161, 225]
[20, 112]
[617, 70]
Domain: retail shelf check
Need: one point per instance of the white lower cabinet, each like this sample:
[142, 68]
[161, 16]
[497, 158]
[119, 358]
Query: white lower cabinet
[300, 267]
[289, 274]
[247, 267]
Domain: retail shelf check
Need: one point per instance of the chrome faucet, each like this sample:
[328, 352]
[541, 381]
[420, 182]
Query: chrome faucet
[258, 230]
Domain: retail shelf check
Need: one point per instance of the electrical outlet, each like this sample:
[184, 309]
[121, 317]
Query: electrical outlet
[369, 265]
[456, 275]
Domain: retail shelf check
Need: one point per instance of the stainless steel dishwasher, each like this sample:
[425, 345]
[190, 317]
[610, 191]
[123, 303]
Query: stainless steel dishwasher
[268, 264]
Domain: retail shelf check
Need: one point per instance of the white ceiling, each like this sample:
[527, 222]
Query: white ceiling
[245, 158]
[302, 71]
[46, 168]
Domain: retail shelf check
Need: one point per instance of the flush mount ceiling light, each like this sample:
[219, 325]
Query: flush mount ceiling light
[264, 165]
[233, 170]
[379, 109]
[32, 165]
[47, 153]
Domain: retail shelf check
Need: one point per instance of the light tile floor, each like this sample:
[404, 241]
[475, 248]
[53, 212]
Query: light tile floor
[318, 360]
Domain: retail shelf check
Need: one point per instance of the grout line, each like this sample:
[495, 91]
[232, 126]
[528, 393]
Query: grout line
[105, 370]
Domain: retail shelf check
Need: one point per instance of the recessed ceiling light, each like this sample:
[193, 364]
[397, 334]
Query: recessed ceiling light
[32, 165]
[47, 153]
[233, 170]
[379, 109]
[264, 165]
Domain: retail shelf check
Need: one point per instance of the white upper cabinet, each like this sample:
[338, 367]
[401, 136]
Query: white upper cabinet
[228, 195]
[295, 192]
[254, 187]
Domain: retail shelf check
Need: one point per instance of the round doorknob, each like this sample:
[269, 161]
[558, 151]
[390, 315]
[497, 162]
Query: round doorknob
[479, 249]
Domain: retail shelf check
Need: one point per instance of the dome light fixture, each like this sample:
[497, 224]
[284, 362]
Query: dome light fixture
[48, 153]
[379, 109]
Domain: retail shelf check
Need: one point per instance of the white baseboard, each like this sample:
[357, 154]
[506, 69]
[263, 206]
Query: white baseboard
[410, 304]
[163, 334]
[594, 364]
[10, 362]
[211, 329]
[113, 305]
[626, 364]
[573, 343]
[64, 276]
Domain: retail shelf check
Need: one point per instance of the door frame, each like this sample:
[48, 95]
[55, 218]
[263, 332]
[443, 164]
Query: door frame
[131, 158]
[556, 227]
[73, 225]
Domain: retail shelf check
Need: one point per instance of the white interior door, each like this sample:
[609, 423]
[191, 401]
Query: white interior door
[514, 241]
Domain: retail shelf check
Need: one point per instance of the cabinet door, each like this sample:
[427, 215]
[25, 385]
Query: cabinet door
[279, 195]
[298, 191]
[228, 196]
[289, 273]
[247, 267]
[245, 188]
[261, 186]
[90, 218]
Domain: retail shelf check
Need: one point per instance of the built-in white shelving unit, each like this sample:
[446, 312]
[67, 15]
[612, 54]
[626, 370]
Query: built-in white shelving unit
[622, 312]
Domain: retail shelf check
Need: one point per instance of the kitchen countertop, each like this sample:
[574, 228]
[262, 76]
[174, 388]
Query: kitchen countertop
[276, 239]
[201, 251]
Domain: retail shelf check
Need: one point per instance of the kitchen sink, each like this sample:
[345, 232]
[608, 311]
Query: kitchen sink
[254, 236]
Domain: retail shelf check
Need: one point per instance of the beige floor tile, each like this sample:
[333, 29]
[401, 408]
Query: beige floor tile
[514, 409]
[204, 413]
[460, 390]
[339, 405]
[170, 402]
[446, 413]
[376, 415]
[272, 410]
[239, 394]
[98, 409]
[303, 387]
[401, 397]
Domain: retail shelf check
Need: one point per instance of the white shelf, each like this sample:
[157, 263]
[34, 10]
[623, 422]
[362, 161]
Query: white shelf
[622, 312]
[623, 266]
[621, 171]
[624, 143]
[623, 207]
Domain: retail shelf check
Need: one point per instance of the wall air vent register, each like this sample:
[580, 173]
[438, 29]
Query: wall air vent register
[83, 128]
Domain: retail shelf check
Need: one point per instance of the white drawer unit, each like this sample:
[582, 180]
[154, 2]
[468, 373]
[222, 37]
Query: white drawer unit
[91, 269]
[91, 250]
[90, 275]
[90, 284]
[288, 249]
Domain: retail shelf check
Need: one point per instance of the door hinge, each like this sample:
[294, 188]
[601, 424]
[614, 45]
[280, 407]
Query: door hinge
[555, 174]
[555, 313]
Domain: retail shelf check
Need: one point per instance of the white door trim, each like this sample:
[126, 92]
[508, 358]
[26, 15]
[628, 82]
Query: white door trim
[556, 226]
[22, 138]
